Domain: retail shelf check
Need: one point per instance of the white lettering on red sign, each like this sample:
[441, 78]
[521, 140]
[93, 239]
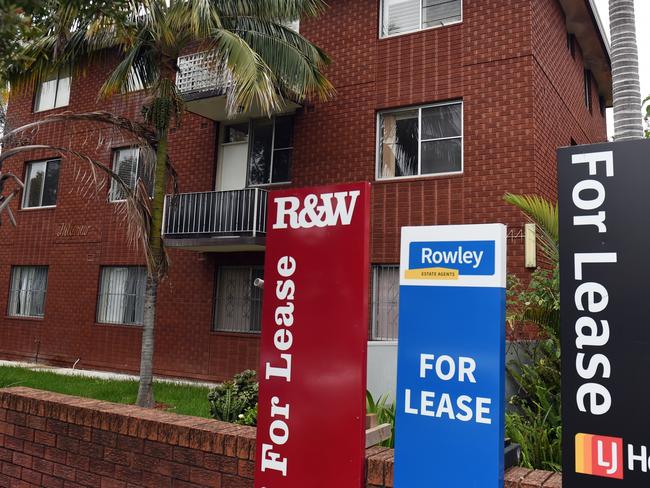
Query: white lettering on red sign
[316, 210]
[282, 340]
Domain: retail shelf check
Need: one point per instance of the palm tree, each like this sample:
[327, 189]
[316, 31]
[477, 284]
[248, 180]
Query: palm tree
[266, 61]
[628, 122]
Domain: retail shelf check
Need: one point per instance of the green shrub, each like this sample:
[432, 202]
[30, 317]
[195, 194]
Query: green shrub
[235, 401]
[536, 420]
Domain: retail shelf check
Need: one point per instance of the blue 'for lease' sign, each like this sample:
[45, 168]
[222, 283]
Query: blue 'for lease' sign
[451, 357]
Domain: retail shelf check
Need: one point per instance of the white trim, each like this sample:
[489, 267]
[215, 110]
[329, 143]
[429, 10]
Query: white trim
[42, 207]
[389, 36]
[419, 108]
[28, 184]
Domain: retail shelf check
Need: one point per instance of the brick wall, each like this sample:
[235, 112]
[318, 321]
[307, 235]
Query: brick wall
[522, 95]
[50, 440]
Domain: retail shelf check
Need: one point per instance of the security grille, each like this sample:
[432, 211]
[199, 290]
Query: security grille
[239, 302]
[385, 302]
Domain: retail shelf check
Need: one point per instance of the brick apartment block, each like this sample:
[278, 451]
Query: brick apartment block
[532, 76]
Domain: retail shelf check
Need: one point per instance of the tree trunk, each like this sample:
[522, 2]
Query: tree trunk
[628, 121]
[145, 390]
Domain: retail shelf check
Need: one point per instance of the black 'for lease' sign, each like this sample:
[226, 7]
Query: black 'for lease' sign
[604, 201]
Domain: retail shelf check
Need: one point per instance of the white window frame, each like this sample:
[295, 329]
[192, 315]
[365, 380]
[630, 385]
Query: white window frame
[419, 174]
[28, 181]
[39, 90]
[12, 290]
[232, 330]
[251, 138]
[374, 335]
[102, 292]
[388, 36]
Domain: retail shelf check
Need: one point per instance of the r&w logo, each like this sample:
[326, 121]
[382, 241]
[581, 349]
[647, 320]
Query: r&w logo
[599, 456]
[327, 209]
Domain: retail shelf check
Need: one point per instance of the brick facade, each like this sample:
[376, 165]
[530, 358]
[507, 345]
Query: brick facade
[522, 94]
[50, 440]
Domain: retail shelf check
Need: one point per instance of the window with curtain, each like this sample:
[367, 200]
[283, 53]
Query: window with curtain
[271, 151]
[121, 295]
[41, 183]
[238, 300]
[401, 16]
[128, 164]
[27, 291]
[385, 302]
[53, 92]
[421, 141]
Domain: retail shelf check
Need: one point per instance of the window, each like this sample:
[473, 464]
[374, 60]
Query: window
[271, 150]
[41, 183]
[385, 302]
[236, 133]
[401, 16]
[54, 92]
[121, 295]
[27, 291]
[588, 89]
[602, 105]
[421, 141]
[238, 300]
[135, 82]
[127, 163]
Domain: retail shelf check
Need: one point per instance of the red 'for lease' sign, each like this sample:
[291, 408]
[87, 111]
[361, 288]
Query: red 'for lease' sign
[311, 412]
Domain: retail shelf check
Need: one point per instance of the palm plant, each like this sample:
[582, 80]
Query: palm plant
[625, 71]
[266, 61]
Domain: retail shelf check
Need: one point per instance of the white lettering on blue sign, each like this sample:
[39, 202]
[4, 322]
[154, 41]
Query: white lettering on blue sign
[451, 356]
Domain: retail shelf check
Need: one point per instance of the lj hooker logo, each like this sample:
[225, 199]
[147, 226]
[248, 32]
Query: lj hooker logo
[599, 455]
[450, 260]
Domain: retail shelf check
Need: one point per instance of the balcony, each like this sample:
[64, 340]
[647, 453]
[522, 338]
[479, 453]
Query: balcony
[204, 81]
[217, 221]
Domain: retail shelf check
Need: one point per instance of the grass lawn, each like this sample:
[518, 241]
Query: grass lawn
[182, 399]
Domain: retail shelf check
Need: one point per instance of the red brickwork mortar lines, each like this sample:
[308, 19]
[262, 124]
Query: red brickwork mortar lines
[58, 441]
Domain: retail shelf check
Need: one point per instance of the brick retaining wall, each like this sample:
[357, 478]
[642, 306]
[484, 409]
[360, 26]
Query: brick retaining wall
[58, 441]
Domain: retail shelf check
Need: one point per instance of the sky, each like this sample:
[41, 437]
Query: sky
[642, 8]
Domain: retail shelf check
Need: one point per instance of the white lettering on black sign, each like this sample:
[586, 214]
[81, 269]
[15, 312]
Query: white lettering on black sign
[592, 328]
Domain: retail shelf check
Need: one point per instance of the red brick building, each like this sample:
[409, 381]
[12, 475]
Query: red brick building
[443, 106]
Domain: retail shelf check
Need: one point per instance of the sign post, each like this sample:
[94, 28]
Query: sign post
[311, 411]
[451, 357]
[604, 209]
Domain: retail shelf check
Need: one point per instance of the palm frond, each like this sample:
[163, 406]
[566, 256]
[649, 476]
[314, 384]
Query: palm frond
[296, 63]
[545, 215]
[253, 83]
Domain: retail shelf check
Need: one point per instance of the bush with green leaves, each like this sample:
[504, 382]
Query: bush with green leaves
[536, 419]
[235, 401]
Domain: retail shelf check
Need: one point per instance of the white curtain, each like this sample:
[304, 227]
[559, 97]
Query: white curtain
[112, 299]
[28, 286]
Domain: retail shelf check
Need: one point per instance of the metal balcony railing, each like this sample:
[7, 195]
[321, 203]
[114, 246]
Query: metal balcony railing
[201, 72]
[216, 213]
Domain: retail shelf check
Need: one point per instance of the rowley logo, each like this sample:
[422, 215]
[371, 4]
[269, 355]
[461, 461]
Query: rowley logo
[323, 210]
[450, 260]
[599, 455]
